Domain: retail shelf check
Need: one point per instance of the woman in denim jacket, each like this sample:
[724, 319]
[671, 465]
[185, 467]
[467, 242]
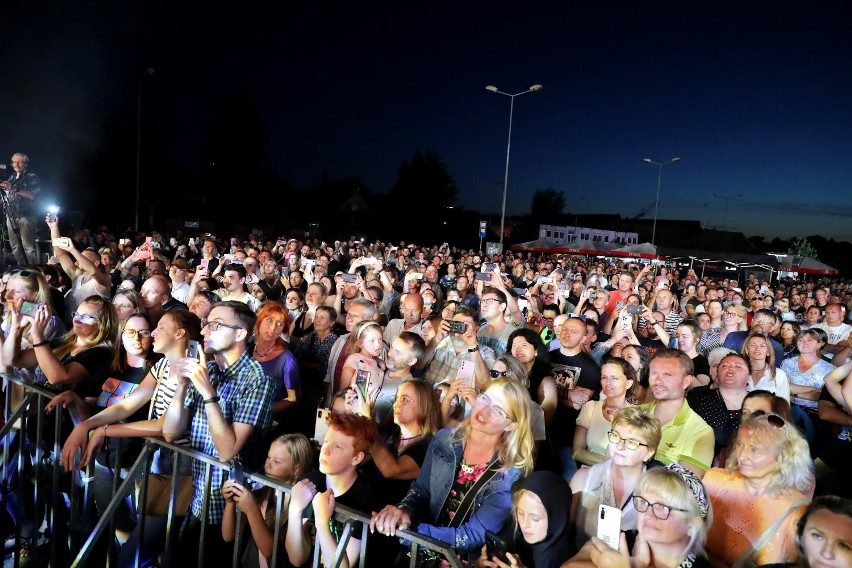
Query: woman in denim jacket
[481, 459]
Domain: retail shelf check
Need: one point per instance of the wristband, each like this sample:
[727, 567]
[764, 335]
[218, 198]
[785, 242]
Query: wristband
[211, 399]
[41, 343]
[473, 349]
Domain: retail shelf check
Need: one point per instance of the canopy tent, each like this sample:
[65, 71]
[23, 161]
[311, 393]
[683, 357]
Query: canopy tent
[573, 247]
[805, 264]
[639, 250]
[538, 245]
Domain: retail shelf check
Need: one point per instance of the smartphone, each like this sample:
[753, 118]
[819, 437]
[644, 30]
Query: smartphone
[29, 308]
[350, 278]
[362, 380]
[484, 276]
[204, 263]
[416, 275]
[237, 473]
[631, 309]
[495, 547]
[62, 242]
[519, 291]
[193, 349]
[123, 242]
[322, 424]
[619, 304]
[546, 279]
[609, 525]
[593, 295]
[488, 267]
[458, 327]
[149, 240]
[523, 304]
[466, 371]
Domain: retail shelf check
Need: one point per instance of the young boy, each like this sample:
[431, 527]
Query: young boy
[313, 498]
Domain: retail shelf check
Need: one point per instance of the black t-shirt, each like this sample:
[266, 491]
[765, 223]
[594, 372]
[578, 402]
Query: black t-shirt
[360, 496]
[701, 364]
[569, 372]
[709, 405]
[391, 491]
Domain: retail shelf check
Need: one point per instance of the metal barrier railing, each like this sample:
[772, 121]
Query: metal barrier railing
[139, 472]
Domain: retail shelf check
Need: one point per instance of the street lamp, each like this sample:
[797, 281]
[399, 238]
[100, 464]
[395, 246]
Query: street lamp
[727, 198]
[494, 89]
[147, 73]
[657, 202]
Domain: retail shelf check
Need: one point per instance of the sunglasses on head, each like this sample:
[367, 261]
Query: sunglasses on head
[773, 419]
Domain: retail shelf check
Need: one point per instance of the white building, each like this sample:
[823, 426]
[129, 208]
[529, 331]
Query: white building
[563, 235]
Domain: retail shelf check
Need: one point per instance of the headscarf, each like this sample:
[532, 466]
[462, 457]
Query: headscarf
[555, 495]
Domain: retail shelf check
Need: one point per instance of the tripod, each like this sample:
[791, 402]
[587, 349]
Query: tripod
[7, 213]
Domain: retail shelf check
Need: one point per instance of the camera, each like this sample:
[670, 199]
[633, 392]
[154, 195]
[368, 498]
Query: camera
[458, 327]
[593, 295]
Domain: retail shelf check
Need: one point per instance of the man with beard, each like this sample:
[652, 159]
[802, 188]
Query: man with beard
[687, 439]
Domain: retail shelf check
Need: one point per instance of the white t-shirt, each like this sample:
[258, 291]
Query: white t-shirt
[836, 334]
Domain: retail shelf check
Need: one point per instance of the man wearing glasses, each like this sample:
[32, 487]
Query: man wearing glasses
[494, 304]
[227, 405]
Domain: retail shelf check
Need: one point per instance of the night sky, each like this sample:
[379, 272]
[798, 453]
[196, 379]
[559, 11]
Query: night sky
[755, 97]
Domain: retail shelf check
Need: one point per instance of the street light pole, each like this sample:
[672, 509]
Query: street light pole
[727, 198]
[494, 89]
[657, 201]
[147, 72]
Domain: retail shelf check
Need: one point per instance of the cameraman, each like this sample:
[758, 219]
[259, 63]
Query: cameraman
[21, 190]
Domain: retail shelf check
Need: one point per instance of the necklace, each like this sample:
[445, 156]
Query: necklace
[264, 354]
[410, 438]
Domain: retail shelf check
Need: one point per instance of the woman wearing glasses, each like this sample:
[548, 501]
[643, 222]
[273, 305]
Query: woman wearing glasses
[760, 495]
[733, 319]
[673, 516]
[127, 302]
[633, 437]
[80, 355]
[464, 486]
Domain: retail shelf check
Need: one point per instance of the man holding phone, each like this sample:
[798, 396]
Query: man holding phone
[227, 406]
[445, 353]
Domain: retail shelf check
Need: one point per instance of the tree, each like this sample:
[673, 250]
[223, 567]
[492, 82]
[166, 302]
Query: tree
[426, 179]
[802, 247]
[547, 204]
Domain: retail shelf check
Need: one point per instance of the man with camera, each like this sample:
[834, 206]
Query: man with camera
[456, 342]
[21, 191]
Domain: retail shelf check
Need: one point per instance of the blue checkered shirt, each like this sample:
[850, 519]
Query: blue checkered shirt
[245, 395]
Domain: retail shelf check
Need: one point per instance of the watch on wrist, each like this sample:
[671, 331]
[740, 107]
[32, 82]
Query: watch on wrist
[211, 399]
[473, 349]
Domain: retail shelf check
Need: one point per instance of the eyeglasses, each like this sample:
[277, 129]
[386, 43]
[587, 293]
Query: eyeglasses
[495, 373]
[404, 399]
[141, 333]
[214, 325]
[484, 400]
[660, 510]
[773, 419]
[732, 314]
[629, 443]
[487, 301]
[85, 318]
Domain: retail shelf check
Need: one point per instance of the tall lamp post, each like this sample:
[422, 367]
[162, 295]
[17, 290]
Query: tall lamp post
[657, 201]
[727, 198]
[146, 73]
[494, 89]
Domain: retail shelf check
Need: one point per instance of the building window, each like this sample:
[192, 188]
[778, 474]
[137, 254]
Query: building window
[547, 234]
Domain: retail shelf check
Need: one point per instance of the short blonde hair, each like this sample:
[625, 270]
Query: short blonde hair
[644, 422]
[676, 493]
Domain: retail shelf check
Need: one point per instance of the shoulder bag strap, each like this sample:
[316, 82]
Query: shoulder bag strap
[466, 505]
[768, 533]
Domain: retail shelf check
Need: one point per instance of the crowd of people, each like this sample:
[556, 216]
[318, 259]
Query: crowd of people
[502, 404]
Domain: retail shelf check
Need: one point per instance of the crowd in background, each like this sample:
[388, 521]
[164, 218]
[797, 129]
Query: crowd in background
[501, 404]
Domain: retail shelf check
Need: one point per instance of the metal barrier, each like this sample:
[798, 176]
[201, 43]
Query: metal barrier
[139, 472]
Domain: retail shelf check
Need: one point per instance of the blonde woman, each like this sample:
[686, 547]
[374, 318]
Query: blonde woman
[464, 486]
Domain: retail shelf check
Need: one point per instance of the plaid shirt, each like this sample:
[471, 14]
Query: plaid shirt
[245, 396]
[446, 362]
